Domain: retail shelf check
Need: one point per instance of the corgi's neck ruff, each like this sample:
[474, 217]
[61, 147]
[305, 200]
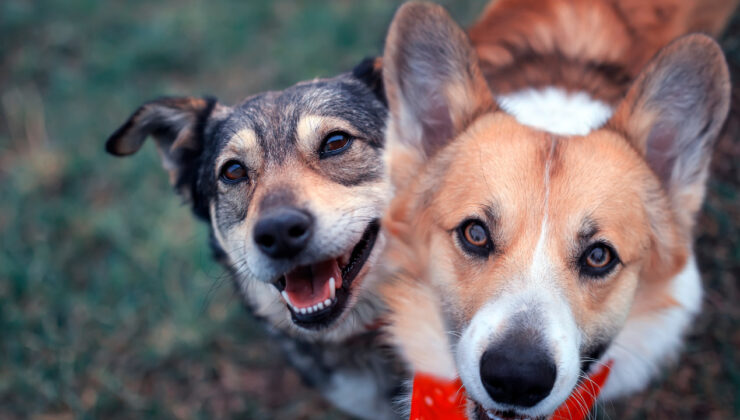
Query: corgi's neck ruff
[555, 110]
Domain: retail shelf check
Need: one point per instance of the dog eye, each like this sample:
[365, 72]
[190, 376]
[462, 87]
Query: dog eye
[334, 143]
[475, 238]
[233, 172]
[598, 260]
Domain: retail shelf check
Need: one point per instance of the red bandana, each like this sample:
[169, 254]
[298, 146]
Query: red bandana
[439, 399]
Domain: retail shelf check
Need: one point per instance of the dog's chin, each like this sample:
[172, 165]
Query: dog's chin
[318, 295]
[480, 413]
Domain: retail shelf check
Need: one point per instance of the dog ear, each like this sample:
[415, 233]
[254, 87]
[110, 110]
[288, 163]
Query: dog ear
[178, 126]
[432, 80]
[673, 113]
[370, 72]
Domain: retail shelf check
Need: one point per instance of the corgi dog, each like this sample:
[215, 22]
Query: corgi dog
[292, 185]
[547, 179]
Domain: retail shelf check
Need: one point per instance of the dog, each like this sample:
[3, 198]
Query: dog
[293, 185]
[548, 177]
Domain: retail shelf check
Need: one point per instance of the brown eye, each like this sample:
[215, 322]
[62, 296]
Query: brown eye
[475, 238]
[476, 234]
[599, 257]
[233, 172]
[335, 143]
[598, 260]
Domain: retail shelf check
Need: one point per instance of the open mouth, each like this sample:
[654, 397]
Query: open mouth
[317, 294]
[483, 414]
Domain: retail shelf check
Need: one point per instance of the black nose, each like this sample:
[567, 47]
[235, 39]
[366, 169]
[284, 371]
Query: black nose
[517, 371]
[283, 232]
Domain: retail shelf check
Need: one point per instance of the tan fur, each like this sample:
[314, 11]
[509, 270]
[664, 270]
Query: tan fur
[242, 145]
[424, 344]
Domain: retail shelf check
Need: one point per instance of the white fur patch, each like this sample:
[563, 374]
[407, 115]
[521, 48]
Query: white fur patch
[554, 110]
[647, 343]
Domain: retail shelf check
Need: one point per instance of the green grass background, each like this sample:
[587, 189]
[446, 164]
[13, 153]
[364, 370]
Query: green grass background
[110, 306]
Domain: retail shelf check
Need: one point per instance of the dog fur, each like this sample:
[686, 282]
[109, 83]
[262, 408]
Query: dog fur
[628, 176]
[276, 136]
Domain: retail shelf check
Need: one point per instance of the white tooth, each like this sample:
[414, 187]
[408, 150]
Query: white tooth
[327, 303]
[320, 305]
[303, 311]
[287, 299]
[332, 287]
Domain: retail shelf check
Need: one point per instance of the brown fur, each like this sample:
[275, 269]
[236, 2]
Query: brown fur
[635, 183]
[586, 45]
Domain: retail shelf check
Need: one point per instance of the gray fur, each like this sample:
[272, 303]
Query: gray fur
[348, 364]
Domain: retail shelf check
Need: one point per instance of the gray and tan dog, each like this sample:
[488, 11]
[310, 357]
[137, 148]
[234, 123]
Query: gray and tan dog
[293, 186]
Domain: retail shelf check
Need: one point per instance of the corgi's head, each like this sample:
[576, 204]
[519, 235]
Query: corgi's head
[292, 184]
[539, 246]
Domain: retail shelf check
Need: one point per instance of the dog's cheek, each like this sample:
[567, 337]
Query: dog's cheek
[602, 308]
[230, 213]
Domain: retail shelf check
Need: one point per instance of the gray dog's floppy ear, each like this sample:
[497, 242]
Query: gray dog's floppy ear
[178, 126]
[673, 113]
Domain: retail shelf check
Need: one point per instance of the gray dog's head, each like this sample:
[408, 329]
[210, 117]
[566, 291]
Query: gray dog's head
[292, 184]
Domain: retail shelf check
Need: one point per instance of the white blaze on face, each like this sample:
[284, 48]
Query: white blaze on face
[555, 110]
[533, 295]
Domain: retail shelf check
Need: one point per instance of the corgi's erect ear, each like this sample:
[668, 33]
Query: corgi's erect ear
[177, 125]
[673, 113]
[432, 80]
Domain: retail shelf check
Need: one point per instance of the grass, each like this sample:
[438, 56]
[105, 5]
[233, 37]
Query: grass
[110, 306]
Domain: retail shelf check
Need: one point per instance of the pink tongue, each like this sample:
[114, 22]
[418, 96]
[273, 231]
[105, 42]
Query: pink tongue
[309, 285]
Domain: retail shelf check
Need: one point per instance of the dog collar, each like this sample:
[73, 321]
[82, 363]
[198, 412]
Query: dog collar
[433, 398]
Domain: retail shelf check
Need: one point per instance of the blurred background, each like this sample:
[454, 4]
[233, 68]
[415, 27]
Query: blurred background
[110, 305]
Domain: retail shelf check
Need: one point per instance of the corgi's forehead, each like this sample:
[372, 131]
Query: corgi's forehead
[526, 174]
[273, 119]
[497, 161]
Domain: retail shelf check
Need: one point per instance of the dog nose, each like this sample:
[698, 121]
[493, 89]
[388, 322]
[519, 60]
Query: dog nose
[517, 371]
[283, 232]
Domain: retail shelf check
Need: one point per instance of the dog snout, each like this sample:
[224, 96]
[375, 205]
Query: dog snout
[283, 232]
[518, 371]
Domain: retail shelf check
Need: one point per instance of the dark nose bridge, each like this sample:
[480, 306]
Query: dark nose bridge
[277, 196]
[518, 369]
